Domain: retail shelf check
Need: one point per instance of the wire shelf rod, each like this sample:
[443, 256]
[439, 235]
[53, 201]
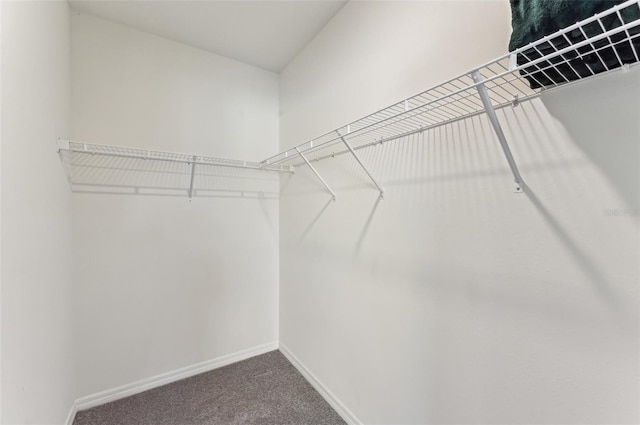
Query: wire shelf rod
[416, 110]
[442, 120]
[529, 74]
[635, 54]
[574, 46]
[569, 29]
[471, 97]
[420, 130]
[471, 115]
[359, 161]
[149, 156]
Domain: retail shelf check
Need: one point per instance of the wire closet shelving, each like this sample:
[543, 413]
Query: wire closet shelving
[606, 42]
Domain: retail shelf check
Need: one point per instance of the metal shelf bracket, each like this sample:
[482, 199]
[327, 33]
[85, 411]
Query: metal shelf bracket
[491, 113]
[193, 173]
[316, 173]
[357, 158]
[62, 144]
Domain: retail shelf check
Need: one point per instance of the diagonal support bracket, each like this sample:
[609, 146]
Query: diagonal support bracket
[193, 173]
[316, 173]
[491, 113]
[357, 158]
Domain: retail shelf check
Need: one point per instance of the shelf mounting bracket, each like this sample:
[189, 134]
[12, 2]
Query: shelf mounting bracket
[193, 173]
[62, 144]
[316, 173]
[357, 158]
[491, 113]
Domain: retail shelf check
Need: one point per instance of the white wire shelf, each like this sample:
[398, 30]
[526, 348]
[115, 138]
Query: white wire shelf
[125, 152]
[113, 169]
[607, 41]
[603, 43]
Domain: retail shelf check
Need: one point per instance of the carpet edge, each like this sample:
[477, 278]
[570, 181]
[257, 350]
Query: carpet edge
[159, 380]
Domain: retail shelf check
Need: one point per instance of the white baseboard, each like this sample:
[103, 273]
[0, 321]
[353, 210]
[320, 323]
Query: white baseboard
[72, 414]
[346, 414]
[165, 378]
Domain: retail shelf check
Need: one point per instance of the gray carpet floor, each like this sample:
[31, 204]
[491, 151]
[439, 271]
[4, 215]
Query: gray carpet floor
[264, 390]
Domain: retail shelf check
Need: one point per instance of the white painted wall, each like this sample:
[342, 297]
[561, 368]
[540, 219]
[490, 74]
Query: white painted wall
[453, 300]
[161, 282]
[37, 361]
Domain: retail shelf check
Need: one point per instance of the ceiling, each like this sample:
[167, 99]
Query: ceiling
[267, 34]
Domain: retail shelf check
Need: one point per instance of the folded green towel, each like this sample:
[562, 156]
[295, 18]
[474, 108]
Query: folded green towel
[533, 19]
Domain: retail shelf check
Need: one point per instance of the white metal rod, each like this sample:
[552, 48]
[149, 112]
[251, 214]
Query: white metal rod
[316, 173]
[355, 155]
[193, 173]
[615, 51]
[629, 35]
[484, 96]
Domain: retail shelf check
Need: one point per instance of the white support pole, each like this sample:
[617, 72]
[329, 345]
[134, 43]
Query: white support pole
[488, 106]
[316, 173]
[355, 155]
[193, 173]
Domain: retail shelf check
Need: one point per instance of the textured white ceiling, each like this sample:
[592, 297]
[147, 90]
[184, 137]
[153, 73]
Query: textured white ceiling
[267, 34]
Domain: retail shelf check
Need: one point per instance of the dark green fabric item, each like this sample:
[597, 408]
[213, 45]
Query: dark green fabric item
[533, 19]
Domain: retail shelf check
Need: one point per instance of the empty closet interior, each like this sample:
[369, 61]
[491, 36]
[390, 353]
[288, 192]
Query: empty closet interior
[430, 209]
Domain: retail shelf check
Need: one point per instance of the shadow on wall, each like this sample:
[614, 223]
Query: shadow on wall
[612, 141]
[430, 177]
[89, 173]
[315, 219]
[525, 292]
[582, 259]
[367, 224]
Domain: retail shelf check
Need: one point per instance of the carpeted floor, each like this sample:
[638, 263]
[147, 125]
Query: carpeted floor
[264, 390]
